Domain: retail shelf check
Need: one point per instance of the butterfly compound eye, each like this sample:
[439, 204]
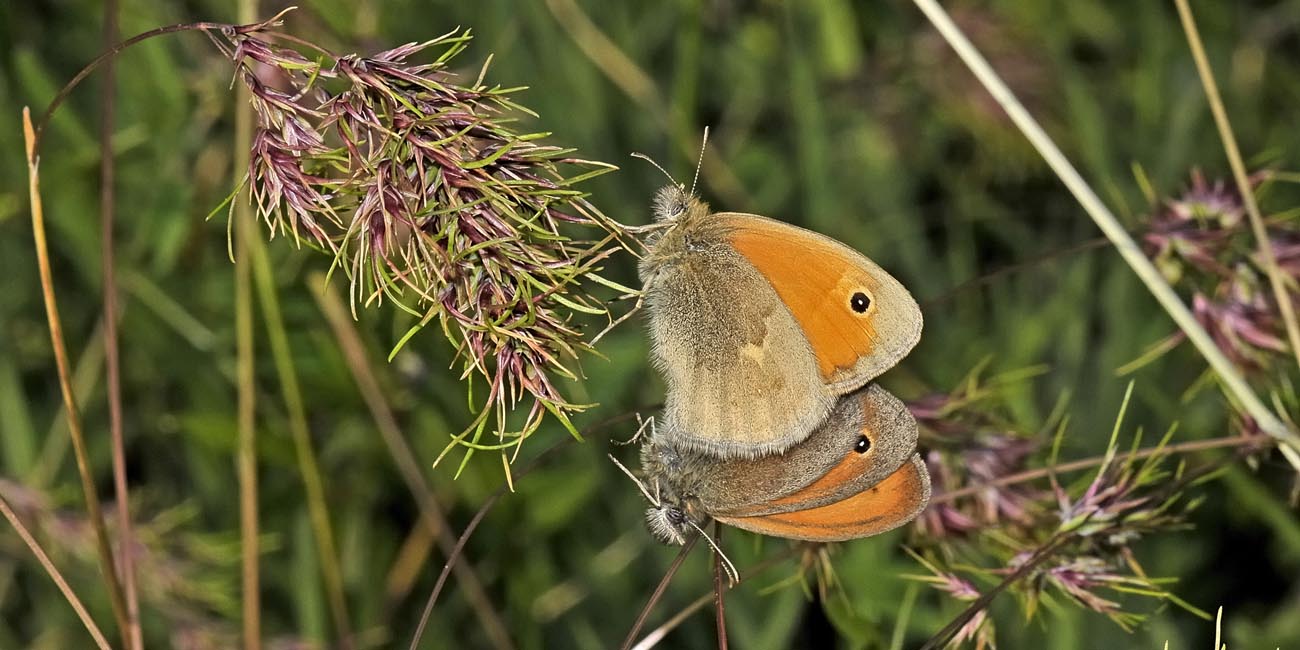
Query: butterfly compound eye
[860, 302]
[862, 445]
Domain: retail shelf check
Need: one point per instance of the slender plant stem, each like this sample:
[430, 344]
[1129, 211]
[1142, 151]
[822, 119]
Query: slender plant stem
[132, 635]
[1044, 552]
[84, 378]
[998, 274]
[1128, 249]
[456, 551]
[658, 634]
[308, 467]
[719, 589]
[54, 574]
[1229, 139]
[1086, 463]
[39, 130]
[490, 502]
[93, 510]
[904, 616]
[245, 371]
[658, 593]
[432, 517]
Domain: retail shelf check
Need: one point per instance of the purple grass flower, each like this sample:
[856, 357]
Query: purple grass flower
[1201, 239]
[427, 195]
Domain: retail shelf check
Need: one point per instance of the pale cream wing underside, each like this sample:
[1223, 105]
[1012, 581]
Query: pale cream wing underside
[742, 379]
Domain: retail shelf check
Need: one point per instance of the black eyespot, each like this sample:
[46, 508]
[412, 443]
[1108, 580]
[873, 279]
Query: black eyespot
[863, 445]
[860, 302]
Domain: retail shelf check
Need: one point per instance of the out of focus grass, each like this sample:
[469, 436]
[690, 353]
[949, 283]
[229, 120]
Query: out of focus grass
[851, 118]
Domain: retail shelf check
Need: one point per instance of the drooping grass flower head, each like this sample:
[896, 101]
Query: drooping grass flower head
[427, 194]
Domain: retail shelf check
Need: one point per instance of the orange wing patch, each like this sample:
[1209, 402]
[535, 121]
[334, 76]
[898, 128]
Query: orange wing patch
[853, 465]
[887, 505]
[817, 279]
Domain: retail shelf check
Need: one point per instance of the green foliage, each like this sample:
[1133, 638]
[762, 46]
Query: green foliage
[853, 119]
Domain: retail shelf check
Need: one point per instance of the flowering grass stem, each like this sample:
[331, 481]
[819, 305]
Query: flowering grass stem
[1119, 237]
[1280, 291]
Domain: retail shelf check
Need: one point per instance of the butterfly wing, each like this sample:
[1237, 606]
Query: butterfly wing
[742, 380]
[887, 505]
[829, 487]
[858, 320]
[867, 437]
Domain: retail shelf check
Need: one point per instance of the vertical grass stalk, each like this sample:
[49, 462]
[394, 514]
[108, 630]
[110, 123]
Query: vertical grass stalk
[1230, 148]
[246, 452]
[317, 508]
[133, 636]
[1101, 215]
[93, 510]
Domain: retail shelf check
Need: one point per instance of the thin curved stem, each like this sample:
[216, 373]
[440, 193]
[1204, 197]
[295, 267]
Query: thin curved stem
[658, 593]
[35, 146]
[457, 550]
[432, 516]
[658, 634]
[943, 636]
[488, 503]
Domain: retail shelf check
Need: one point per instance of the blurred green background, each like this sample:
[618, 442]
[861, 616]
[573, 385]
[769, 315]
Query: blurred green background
[852, 118]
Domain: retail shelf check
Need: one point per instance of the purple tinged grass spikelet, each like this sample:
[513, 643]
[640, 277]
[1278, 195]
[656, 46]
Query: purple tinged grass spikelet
[967, 444]
[1074, 541]
[1201, 240]
[426, 195]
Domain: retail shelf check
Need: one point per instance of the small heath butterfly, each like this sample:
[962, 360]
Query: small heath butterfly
[767, 336]
[856, 475]
[759, 326]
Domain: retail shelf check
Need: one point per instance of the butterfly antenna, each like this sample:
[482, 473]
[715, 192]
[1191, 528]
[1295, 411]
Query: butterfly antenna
[700, 162]
[637, 154]
[639, 483]
[733, 576]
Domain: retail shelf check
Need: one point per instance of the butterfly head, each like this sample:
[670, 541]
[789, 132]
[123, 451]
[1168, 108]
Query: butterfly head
[673, 513]
[671, 520]
[673, 204]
